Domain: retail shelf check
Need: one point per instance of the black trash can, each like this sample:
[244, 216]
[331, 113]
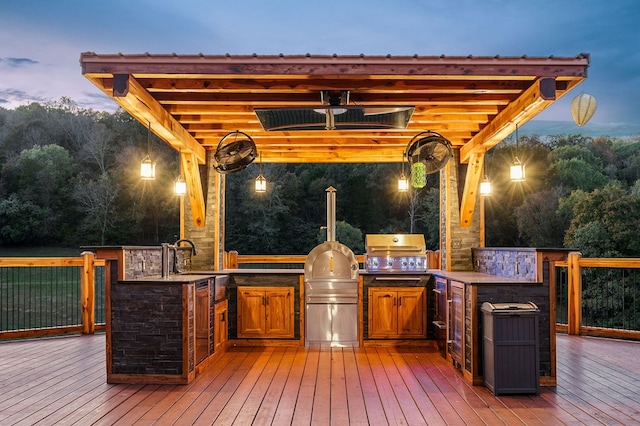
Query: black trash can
[511, 348]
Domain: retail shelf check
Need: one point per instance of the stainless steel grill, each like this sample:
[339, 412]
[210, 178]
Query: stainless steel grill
[331, 289]
[395, 253]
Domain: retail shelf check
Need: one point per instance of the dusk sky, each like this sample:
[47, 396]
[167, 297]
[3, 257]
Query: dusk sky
[41, 40]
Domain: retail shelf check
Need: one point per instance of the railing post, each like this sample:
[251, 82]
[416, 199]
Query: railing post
[88, 293]
[233, 259]
[574, 293]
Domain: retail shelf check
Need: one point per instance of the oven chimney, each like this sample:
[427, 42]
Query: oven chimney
[331, 213]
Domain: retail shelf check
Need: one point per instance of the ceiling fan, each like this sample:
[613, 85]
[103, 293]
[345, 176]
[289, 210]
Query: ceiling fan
[335, 113]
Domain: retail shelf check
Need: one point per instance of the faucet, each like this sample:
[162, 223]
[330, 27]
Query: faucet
[175, 246]
[184, 240]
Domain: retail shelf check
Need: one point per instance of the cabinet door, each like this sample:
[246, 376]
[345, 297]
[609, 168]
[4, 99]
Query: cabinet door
[279, 312]
[221, 332]
[412, 316]
[251, 312]
[383, 313]
[203, 330]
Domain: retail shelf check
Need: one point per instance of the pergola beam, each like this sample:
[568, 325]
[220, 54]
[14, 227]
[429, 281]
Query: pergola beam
[533, 100]
[143, 107]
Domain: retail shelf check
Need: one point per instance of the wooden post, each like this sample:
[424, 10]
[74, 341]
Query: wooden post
[574, 293]
[233, 259]
[87, 293]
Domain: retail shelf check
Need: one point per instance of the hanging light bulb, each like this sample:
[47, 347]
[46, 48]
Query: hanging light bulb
[261, 182]
[148, 167]
[516, 172]
[403, 182]
[180, 186]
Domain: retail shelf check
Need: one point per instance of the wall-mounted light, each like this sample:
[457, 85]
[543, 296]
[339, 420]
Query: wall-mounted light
[403, 182]
[261, 182]
[180, 186]
[148, 167]
[516, 172]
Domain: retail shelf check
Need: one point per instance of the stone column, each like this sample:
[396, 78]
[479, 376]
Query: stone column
[456, 241]
[209, 239]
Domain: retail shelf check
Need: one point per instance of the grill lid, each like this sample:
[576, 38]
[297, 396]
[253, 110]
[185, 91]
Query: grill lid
[331, 261]
[380, 244]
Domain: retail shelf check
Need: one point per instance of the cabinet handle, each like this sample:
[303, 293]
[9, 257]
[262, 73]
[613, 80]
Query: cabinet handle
[400, 301]
[267, 299]
[263, 302]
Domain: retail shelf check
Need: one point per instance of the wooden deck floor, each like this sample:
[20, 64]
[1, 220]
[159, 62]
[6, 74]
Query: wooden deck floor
[62, 381]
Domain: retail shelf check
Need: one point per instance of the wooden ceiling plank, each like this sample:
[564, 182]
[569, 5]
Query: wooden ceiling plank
[189, 165]
[144, 108]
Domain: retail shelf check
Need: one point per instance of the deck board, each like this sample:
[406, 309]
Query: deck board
[63, 381]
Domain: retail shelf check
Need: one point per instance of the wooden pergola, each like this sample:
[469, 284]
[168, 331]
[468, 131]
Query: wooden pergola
[193, 101]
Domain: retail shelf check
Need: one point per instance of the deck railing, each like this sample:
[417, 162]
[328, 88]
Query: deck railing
[48, 296]
[51, 295]
[598, 296]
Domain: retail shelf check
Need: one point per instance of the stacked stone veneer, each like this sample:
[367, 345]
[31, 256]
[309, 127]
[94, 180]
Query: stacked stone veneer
[142, 261]
[204, 236]
[506, 262]
[147, 329]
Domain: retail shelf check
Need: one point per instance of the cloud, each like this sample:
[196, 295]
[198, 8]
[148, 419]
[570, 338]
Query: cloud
[17, 62]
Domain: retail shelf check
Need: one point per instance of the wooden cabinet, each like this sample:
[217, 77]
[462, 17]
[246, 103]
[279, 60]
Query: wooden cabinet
[221, 326]
[265, 312]
[204, 325]
[397, 312]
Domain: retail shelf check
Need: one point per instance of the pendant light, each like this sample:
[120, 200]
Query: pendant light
[516, 171]
[261, 182]
[148, 167]
[403, 182]
[485, 184]
[180, 186]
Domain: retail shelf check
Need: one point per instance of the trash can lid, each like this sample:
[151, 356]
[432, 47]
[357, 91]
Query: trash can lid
[509, 307]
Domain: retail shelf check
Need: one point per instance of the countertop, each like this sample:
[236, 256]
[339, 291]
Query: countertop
[171, 279]
[468, 277]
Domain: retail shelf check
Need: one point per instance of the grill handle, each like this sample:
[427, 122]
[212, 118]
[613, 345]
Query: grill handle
[396, 278]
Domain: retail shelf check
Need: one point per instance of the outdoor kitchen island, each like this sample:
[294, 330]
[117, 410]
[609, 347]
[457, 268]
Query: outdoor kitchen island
[164, 330]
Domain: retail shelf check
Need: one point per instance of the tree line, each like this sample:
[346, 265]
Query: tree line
[70, 177]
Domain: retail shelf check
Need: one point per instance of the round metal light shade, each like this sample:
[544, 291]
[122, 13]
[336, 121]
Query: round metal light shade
[582, 108]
